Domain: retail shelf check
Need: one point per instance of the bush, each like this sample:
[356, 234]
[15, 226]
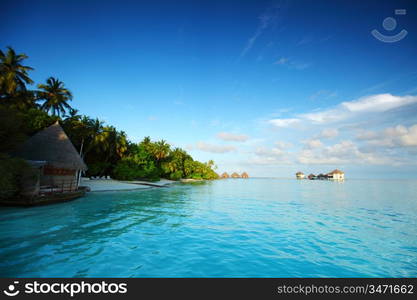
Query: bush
[11, 170]
[128, 169]
[177, 175]
[96, 169]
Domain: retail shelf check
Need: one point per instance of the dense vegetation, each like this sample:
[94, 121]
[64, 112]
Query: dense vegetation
[106, 151]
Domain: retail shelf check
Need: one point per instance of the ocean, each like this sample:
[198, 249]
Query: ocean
[258, 227]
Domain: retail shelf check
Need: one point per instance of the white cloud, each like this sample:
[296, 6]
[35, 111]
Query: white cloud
[398, 136]
[312, 144]
[268, 156]
[281, 61]
[378, 103]
[267, 160]
[206, 147]
[283, 145]
[326, 116]
[410, 137]
[345, 152]
[329, 133]
[292, 64]
[284, 122]
[226, 136]
[391, 146]
[274, 152]
[350, 109]
[365, 135]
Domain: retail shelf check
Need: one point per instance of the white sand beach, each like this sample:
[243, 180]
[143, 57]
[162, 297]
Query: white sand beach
[160, 183]
[104, 185]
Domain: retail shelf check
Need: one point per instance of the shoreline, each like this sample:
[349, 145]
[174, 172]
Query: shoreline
[111, 185]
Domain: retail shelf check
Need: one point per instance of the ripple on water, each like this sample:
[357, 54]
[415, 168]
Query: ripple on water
[228, 228]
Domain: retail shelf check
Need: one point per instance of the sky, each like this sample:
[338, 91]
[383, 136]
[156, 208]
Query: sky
[266, 87]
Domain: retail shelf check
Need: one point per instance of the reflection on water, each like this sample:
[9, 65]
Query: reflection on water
[239, 228]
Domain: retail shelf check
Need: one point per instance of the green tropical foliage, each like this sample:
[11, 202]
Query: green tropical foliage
[106, 150]
[11, 169]
[55, 95]
[14, 75]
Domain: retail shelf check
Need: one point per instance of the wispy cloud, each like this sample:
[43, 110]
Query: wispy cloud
[281, 61]
[178, 102]
[350, 109]
[212, 148]
[292, 64]
[328, 133]
[323, 94]
[231, 137]
[266, 20]
[305, 40]
[282, 123]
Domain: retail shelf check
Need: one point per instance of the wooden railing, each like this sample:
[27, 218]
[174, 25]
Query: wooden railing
[62, 187]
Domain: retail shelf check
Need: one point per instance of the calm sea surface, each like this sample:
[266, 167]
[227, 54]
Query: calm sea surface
[227, 228]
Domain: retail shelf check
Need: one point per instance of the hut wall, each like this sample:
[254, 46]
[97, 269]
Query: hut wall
[64, 179]
[29, 185]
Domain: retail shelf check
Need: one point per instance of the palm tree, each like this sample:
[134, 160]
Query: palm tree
[13, 75]
[91, 129]
[161, 150]
[72, 115]
[55, 95]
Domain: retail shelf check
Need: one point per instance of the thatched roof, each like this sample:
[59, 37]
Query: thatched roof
[244, 175]
[225, 175]
[235, 175]
[53, 146]
[336, 171]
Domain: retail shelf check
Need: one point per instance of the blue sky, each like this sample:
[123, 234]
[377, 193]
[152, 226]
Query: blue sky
[267, 87]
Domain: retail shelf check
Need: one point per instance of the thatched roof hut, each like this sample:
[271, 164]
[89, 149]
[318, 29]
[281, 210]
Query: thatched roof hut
[336, 174]
[61, 163]
[321, 176]
[235, 175]
[53, 146]
[225, 175]
[300, 175]
[336, 171]
[244, 175]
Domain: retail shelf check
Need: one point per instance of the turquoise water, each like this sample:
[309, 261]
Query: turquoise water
[227, 228]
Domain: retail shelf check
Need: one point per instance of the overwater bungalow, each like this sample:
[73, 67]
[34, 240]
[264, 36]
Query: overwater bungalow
[235, 175]
[322, 176]
[244, 175]
[300, 175]
[224, 175]
[336, 175]
[56, 165]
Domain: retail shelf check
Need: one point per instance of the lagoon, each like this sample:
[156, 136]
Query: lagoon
[258, 227]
